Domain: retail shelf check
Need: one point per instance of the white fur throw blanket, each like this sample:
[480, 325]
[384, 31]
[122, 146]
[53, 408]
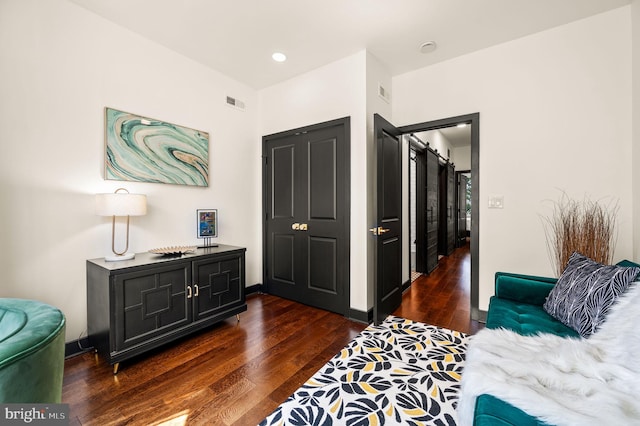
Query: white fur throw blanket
[561, 381]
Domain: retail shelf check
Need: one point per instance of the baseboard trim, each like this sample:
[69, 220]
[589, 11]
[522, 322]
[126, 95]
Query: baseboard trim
[256, 288]
[478, 315]
[406, 285]
[361, 316]
[77, 347]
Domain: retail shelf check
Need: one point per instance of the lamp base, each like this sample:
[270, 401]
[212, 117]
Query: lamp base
[117, 258]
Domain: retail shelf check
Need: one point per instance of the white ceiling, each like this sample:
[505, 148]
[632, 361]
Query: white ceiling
[237, 37]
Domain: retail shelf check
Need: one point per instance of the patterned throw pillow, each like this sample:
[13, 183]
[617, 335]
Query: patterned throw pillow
[585, 292]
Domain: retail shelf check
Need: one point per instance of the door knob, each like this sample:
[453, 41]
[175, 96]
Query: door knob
[379, 230]
[295, 226]
[303, 227]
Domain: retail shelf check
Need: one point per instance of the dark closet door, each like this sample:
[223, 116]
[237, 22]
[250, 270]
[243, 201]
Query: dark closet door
[431, 212]
[452, 215]
[462, 209]
[306, 242]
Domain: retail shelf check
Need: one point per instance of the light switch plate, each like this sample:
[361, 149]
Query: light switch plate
[496, 202]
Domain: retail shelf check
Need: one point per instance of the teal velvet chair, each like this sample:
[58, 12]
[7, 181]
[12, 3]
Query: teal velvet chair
[31, 352]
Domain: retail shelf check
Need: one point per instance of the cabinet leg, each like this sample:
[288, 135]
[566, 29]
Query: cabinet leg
[238, 317]
[115, 368]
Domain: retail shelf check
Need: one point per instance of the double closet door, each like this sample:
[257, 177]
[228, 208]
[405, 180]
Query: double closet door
[306, 220]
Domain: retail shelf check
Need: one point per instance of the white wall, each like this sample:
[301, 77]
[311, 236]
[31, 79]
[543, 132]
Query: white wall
[376, 73]
[635, 184]
[333, 91]
[438, 142]
[554, 116]
[60, 66]
[461, 157]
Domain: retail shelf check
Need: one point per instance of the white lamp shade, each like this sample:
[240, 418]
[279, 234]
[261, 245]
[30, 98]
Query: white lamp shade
[121, 204]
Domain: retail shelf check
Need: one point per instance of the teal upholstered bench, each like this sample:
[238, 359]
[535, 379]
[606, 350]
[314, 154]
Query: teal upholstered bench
[31, 352]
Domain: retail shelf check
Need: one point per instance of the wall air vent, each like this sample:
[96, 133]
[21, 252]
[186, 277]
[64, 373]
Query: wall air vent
[384, 93]
[235, 103]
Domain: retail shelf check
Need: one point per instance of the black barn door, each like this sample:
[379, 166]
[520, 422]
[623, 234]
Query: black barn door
[388, 221]
[431, 212]
[462, 209]
[421, 211]
[306, 204]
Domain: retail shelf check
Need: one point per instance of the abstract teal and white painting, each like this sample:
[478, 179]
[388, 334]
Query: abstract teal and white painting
[142, 149]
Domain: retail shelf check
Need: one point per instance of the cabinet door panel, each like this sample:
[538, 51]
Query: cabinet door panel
[220, 286]
[150, 303]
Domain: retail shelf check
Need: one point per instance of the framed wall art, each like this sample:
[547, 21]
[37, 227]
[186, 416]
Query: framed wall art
[143, 149]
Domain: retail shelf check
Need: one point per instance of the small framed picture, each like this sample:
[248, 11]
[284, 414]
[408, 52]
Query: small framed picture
[207, 223]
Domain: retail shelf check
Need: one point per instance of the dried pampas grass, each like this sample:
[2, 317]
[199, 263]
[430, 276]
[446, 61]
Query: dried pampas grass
[587, 227]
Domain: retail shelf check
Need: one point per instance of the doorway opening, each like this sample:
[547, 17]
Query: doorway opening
[443, 209]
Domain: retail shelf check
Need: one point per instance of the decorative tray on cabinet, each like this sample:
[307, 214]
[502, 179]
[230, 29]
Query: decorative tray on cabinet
[174, 250]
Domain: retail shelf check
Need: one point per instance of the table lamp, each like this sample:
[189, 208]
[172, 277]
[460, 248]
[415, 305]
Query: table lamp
[120, 203]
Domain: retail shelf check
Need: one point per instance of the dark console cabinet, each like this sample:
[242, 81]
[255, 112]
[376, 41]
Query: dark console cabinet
[140, 304]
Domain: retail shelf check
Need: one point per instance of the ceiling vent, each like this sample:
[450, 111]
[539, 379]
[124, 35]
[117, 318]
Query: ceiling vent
[235, 103]
[384, 93]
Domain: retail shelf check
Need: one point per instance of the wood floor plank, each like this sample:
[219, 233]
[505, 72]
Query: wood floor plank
[238, 373]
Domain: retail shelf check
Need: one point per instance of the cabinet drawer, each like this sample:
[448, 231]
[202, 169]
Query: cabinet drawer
[149, 303]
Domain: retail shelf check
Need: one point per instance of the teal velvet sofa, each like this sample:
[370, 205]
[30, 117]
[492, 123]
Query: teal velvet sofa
[31, 352]
[517, 305]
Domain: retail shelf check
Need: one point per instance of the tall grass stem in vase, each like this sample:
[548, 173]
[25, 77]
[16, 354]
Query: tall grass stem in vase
[588, 227]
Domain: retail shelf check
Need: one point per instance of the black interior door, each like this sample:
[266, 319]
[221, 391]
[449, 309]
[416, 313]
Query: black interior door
[421, 209]
[388, 220]
[427, 210]
[306, 241]
[452, 215]
[448, 215]
[431, 212]
[462, 209]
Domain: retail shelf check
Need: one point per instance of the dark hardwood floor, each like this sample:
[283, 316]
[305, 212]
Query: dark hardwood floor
[238, 373]
[443, 297]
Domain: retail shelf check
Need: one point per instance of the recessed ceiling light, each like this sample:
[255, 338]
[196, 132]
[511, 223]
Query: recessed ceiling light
[279, 57]
[427, 47]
